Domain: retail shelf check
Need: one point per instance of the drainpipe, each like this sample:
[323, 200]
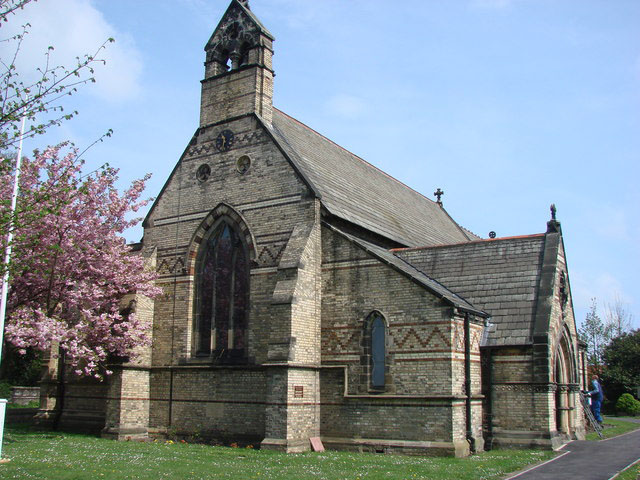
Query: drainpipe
[467, 382]
[489, 395]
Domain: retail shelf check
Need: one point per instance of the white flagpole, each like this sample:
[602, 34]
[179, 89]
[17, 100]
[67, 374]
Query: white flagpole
[5, 279]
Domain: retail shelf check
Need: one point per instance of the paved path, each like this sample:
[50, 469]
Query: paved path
[589, 460]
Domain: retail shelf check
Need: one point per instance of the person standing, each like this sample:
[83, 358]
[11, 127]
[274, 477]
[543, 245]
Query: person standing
[597, 396]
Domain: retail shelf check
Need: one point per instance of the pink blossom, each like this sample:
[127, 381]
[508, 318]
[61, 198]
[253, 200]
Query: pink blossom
[70, 266]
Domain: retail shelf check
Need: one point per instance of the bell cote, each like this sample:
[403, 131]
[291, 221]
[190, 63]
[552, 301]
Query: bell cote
[238, 68]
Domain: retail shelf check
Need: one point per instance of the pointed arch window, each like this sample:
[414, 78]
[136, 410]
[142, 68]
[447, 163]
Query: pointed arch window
[378, 351]
[222, 294]
[374, 353]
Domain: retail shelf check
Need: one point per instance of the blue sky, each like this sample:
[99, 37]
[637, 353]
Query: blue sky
[507, 105]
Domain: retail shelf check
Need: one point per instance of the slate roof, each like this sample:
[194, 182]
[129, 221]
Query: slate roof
[498, 276]
[356, 191]
[398, 264]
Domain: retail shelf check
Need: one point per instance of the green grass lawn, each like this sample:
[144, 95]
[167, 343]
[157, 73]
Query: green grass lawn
[619, 427]
[63, 456]
[614, 427]
[632, 473]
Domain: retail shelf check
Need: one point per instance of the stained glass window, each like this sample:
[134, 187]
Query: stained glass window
[222, 294]
[378, 351]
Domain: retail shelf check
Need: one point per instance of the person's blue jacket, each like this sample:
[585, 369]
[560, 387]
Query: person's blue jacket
[596, 394]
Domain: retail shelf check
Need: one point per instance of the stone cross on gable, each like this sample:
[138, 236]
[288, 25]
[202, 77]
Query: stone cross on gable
[438, 193]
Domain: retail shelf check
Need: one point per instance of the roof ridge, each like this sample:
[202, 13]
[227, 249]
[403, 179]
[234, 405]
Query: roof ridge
[358, 157]
[482, 240]
[470, 232]
[464, 231]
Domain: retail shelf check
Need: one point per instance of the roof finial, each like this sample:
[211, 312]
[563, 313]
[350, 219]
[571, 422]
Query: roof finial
[553, 226]
[438, 193]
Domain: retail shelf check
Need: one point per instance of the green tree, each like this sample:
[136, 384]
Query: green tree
[621, 359]
[597, 335]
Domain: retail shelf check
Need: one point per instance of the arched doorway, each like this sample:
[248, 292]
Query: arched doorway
[565, 383]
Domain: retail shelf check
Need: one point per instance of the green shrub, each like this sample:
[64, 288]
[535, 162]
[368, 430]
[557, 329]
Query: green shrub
[31, 404]
[24, 370]
[627, 405]
[5, 390]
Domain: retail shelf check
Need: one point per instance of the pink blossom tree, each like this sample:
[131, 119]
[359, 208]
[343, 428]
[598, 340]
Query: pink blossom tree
[71, 268]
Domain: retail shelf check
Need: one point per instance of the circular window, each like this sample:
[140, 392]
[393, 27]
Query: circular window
[203, 173]
[243, 164]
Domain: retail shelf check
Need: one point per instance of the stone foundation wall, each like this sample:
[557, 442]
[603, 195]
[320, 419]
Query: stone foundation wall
[225, 404]
[523, 411]
[386, 423]
[84, 405]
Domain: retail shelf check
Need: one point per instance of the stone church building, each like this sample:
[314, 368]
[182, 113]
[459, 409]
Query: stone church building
[309, 294]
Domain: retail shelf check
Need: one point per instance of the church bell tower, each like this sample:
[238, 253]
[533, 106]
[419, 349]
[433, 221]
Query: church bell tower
[238, 68]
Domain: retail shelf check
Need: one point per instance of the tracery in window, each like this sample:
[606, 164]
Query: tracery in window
[222, 294]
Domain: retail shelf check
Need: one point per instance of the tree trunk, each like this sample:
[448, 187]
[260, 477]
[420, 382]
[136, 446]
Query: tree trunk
[60, 390]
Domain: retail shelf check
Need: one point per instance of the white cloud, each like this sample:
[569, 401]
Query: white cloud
[75, 28]
[347, 106]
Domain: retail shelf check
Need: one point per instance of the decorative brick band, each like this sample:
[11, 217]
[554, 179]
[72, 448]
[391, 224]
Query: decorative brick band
[525, 387]
[208, 147]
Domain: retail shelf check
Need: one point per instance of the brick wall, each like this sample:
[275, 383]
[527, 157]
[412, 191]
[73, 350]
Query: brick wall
[423, 399]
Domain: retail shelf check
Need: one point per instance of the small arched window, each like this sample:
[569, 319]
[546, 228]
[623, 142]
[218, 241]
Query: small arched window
[228, 64]
[244, 54]
[378, 352]
[375, 351]
[222, 294]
